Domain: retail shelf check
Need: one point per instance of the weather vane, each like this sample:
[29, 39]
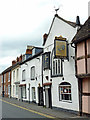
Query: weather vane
[56, 10]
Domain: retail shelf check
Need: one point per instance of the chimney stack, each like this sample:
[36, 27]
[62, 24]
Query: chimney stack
[28, 51]
[13, 62]
[20, 58]
[17, 59]
[44, 38]
[77, 21]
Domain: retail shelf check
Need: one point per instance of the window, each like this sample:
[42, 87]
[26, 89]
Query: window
[13, 76]
[65, 91]
[17, 73]
[33, 94]
[23, 75]
[8, 89]
[56, 65]
[24, 91]
[33, 73]
[9, 77]
[4, 78]
[16, 89]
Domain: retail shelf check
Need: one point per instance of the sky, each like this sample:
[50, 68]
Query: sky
[23, 22]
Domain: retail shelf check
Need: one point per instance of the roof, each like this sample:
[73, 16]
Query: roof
[18, 63]
[73, 24]
[83, 33]
[10, 68]
[7, 70]
[32, 57]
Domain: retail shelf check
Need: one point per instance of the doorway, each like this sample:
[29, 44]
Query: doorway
[48, 97]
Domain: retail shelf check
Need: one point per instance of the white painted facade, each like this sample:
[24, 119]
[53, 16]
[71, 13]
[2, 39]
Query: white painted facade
[62, 28]
[28, 82]
[15, 81]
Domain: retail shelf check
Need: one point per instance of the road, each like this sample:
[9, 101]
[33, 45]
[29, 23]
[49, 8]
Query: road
[13, 111]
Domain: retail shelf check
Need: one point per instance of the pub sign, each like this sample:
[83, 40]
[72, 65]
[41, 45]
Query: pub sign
[60, 47]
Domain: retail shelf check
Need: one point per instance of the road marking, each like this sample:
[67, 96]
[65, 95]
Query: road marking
[48, 116]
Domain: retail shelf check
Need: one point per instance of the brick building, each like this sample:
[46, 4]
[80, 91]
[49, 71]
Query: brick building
[6, 82]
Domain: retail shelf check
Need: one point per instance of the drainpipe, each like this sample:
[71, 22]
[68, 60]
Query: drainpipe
[42, 79]
[29, 92]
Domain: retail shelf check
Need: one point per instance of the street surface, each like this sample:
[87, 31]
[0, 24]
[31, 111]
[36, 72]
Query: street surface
[12, 109]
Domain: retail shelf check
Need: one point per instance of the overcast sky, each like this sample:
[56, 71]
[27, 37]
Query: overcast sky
[23, 22]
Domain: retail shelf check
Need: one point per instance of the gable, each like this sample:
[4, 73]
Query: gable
[59, 27]
[72, 24]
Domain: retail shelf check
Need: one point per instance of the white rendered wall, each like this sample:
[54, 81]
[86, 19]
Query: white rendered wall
[65, 30]
[38, 73]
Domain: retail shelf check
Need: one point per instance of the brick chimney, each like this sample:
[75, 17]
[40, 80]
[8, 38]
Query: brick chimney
[28, 51]
[17, 59]
[13, 62]
[20, 58]
[45, 38]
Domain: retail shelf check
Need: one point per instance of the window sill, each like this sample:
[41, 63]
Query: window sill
[23, 80]
[68, 101]
[24, 97]
[57, 75]
[32, 79]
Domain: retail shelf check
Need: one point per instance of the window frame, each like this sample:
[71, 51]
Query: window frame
[24, 96]
[56, 61]
[32, 76]
[23, 75]
[65, 86]
[33, 94]
[8, 76]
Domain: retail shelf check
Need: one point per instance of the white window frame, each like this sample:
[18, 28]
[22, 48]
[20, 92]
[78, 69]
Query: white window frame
[24, 75]
[17, 74]
[56, 67]
[8, 76]
[33, 73]
[65, 90]
[4, 78]
[33, 94]
[8, 89]
[13, 75]
[16, 89]
[24, 92]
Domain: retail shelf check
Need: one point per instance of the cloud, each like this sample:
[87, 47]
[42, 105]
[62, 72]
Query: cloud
[23, 22]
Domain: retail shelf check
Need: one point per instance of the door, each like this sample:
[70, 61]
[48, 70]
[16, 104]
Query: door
[48, 97]
[33, 94]
[40, 96]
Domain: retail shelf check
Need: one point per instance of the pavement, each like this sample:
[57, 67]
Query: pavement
[54, 113]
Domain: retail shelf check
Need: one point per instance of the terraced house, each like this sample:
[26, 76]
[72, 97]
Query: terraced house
[31, 77]
[6, 82]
